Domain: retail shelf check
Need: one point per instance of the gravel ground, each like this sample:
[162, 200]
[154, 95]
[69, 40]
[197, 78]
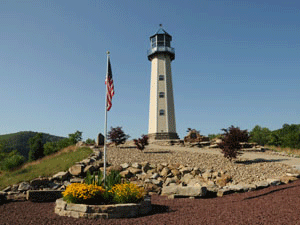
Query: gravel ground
[273, 205]
[242, 170]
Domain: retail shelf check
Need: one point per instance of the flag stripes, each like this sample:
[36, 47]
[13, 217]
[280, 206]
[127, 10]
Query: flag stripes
[110, 86]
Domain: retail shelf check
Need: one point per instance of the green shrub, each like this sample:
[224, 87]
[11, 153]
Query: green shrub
[90, 141]
[12, 160]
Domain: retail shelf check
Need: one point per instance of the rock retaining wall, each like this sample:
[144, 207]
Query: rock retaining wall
[103, 211]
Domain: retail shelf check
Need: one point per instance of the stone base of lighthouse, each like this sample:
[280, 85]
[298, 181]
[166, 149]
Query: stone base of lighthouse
[163, 136]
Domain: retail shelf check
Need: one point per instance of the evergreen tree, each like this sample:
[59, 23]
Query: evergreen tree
[36, 147]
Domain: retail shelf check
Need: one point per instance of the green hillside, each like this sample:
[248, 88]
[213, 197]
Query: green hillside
[19, 141]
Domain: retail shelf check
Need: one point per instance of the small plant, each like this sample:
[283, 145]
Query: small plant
[231, 139]
[127, 193]
[83, 194]
[112, 179]
[117, 135]
[92, 179]
[141, 142]
[90, 141]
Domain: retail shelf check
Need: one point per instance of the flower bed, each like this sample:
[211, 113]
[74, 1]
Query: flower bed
[92, 200]
[63, 208]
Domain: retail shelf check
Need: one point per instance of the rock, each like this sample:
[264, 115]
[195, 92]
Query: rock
[224, 191]
[223, 180]
[165, 171]
[67, 183]
[24, 186]
[136, 165]
[293, 175]
[185, 170]
[39, 182]
[14, 187]
[134, 170]
[7, 189]
[16, 196]
[206, 175]
[170, 181]
[287, 179]
[159, 183]
[61, 176]
[261, 184]
[126, 174]
[154, 176]
[76, 180]
[115, 168]
[159, 168]
[76, 170]
[214, 146]
[149, 187]
[187, 178]
[125, 165]
[90, 168]
[274, 182]
[146, 167]
[189, 191]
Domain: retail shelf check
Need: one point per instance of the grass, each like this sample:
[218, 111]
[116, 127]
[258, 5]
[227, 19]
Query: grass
[48, 166]
[287, 150]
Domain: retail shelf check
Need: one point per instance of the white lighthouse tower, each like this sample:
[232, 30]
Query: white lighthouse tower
[161, 111]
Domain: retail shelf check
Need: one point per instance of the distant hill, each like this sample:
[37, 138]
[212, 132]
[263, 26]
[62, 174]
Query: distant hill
[19, 141]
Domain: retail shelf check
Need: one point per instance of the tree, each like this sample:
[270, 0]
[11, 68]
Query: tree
[141, 142]
[117, 135]
[36, 147]
[231, 139]
[90, 141]
[260, 135]
[74, 138]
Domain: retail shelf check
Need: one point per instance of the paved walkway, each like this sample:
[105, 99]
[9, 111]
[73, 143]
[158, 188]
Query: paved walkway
[291, 161]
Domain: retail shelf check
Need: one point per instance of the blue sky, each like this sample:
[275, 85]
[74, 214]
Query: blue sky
[237, 63]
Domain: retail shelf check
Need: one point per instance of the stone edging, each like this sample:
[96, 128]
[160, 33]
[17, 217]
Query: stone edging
[103, 211]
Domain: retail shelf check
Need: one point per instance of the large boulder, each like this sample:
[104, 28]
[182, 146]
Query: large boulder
[188, 191]
[76, 170]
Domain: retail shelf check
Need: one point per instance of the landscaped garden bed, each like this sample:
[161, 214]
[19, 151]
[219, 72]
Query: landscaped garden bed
[124, 210]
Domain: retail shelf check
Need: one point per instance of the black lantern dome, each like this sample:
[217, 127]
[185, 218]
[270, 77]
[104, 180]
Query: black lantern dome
[161, 43]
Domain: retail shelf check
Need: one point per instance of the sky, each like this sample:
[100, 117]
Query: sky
[236, 63]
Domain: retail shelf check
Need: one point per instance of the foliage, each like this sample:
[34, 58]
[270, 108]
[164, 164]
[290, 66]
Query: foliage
[127, 193]
[52, 147]
[83, 193]
[75, 137]
[141, 142]
[45, 167]
[286, 137]
[90, 141]
[36, 147]
[112, 179]
[117, 135]
[212, 136]
[19, 141]
[231, 139]
[94, 179]
[11, 160]
[260, 135]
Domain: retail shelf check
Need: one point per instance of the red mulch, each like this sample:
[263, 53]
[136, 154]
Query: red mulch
[273, 205]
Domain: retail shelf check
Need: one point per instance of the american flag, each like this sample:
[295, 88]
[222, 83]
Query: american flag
[110, 87]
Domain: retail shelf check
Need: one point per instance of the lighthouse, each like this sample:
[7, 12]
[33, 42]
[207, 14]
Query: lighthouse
[161, 110]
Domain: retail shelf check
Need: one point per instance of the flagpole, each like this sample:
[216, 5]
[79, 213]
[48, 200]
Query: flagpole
[105, 124]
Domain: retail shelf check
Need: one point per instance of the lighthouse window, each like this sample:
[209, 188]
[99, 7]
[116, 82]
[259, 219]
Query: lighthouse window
[161, 112]
[161, 77]
[161, 94]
